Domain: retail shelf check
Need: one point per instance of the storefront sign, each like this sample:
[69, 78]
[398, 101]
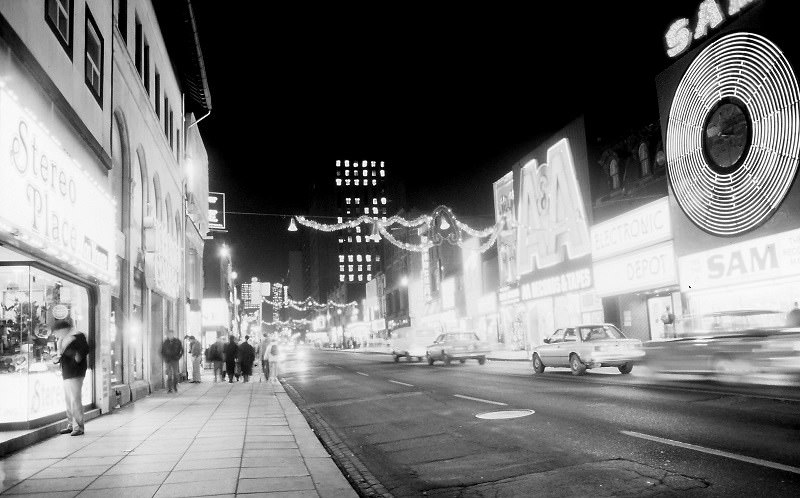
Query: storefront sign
[510, 295]
[559, 284]
[759, 259]
[216, 211]
[48, 201]
[640, 227]
[552, 218]
[648, 268]
[215, 312]
[165, 260]
[505, 213]
[36, 395]
[710, 15]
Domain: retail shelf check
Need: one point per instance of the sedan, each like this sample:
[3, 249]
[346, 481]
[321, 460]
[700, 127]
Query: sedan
[588, 346]
[459, 346]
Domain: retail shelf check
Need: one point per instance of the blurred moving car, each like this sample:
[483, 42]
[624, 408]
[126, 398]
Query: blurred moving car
[730, 345]
[410, 342]
[459, 346]
[588, 346]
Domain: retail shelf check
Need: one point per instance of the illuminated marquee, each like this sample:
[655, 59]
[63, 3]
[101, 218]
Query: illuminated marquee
[505, 213]
[710, 15]
[732, 136]
[552, 219]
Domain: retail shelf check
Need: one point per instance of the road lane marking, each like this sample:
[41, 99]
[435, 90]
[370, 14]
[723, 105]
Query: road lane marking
[481, 400]
[401, 383]
[380, 398]
[362, 373]
[711, 451]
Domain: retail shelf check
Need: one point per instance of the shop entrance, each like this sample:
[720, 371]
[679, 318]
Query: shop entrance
[656, 307]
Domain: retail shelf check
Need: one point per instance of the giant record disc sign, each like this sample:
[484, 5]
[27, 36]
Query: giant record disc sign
[732, 137]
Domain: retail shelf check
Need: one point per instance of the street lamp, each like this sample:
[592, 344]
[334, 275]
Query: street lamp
[404, 281]
[224, 251]
[234, 275]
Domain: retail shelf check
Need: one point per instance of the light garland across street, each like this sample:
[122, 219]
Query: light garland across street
[442, 226]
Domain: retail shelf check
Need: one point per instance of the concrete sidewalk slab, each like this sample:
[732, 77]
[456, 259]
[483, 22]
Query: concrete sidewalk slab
[209, 439]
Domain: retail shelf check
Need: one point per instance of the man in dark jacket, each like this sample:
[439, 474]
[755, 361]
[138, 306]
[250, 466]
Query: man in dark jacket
[247, 356]
[231, 352]
[172, 352]
[74, 353]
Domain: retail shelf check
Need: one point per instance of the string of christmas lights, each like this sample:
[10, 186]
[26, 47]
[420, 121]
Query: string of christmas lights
[310, 303]
[449, 228]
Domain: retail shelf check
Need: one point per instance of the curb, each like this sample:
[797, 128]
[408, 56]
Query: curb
[356, 473]
[39, 434]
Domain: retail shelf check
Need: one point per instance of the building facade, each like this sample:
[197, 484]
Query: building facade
[96, 230]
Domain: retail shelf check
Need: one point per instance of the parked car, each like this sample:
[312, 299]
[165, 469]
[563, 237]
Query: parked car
[588, 346]
[410, 342]
[729, 345]
[459, 346]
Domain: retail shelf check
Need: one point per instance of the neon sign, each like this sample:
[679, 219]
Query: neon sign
[710, 16]
[748, 80]
[552, 220]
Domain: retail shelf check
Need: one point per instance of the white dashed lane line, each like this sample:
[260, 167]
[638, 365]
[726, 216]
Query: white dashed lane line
[401, 383]
[362, 373]
[480, 400]
[711, 451]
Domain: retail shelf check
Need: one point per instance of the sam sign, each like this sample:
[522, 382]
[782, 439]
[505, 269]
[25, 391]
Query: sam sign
[216, 211]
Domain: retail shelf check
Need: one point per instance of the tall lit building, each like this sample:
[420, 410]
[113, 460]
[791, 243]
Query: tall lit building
[360, 190]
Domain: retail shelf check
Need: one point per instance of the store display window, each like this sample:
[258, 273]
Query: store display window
[31, 383]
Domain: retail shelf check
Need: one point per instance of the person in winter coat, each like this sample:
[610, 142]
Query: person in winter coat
[74, 350]
[216, 358]
[231, 352]
[263, 351]
[196, 350]
[247, 356]
[171, 353]
[273, 356]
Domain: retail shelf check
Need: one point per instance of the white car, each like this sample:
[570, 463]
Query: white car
[411, 342]
[588, 346]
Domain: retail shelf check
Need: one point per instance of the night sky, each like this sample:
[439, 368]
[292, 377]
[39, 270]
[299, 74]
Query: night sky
[449, 98]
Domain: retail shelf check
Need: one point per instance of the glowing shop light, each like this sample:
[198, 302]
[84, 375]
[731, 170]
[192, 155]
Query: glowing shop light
[739, 84]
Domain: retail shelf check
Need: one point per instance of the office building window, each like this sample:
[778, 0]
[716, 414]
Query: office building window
[369, 258]
[355, 172]
[94, 58]
[358, 238]
[341, 278]
[122, 18]
[358, 200]
[357, 182]
[341, 267]
[374, 183]
[346, 163]
[346, 201]
[58, 14]
[338, 182]
[374, 210]
[350, 278]
[360, 267]
[358, 229]
[383, 173]
[383, 200]
[361, 278]
[347, 172]
[341, 258]
[347, 182]
[369, 276]
[146, 67]
[166, 121]
[157, 88]
[358, 258]
[171, 130]
[138, 49]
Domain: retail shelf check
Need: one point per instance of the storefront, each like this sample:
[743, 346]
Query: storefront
[635, 271]
[762, 273]
[56, 252]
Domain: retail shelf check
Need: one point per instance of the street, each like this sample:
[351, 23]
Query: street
[414, 427]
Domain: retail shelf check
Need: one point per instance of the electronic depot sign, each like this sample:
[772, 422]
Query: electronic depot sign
[634, 251]
[48, 201]
[640, 227]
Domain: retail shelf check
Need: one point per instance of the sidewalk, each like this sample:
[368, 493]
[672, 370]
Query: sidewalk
[209, 440]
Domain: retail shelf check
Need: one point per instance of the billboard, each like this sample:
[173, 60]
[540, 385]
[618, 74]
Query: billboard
[505, 212]
[216, 211]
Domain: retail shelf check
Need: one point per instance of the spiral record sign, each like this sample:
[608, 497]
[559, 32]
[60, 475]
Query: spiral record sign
[733, 135]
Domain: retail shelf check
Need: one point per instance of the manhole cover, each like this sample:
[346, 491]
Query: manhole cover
[501, 415]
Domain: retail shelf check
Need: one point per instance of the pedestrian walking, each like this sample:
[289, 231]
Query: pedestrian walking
[196, 350]
[231, 352]
[668, 319]
[216, 357]
[793, 317]
[171, 353]
[73, 356]
[263, 351]
[273, 357]
[246, 357]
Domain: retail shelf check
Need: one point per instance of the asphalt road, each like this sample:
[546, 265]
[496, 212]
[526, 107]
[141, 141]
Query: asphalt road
[415, 428]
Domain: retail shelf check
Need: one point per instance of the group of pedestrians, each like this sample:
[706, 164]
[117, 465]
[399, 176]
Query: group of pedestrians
[235, 360]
